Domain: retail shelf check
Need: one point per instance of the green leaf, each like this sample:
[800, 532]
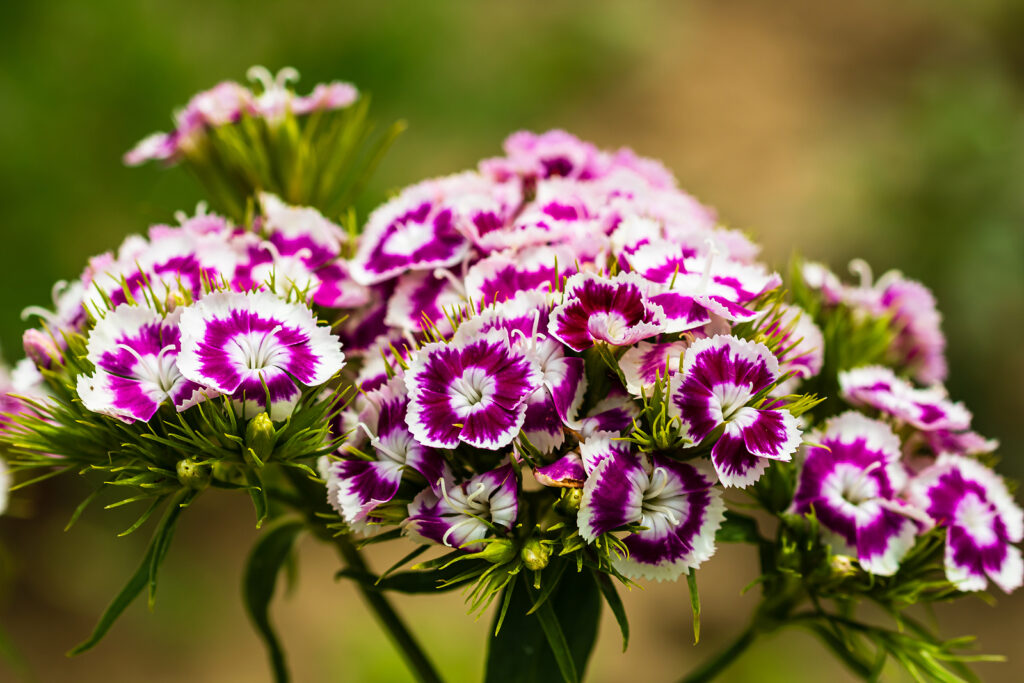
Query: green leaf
[415, 581]
[611, 596]
[145, 575]
[737, 528]
[258, 493]
[691, 583]
[268, 557]
[522, 651]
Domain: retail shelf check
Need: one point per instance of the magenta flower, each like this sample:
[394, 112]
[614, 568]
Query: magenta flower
[721, 376]
[257, 349]
[459, 515]
[135, 353]
[614, 311]
[850, 482]
[472, 391]
[982, 519]
[358, 486]
[414, 231]
[675, 503]
[642, 365]
[929, 409]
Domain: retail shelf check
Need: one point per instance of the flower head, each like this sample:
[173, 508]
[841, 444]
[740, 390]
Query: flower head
[472, 391]
[135, 351]
[981, 518]
[458, 515]
[257, 349]
[674, 502]
[720, 378]
[614, 311]
[850, 482]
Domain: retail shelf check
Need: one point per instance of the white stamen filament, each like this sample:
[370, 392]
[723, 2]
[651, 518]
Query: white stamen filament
[379, 445]
[862, 269]
[713, 252]
[445, 274]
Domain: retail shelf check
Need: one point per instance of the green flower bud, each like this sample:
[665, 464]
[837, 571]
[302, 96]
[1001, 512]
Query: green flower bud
[842, 566]
[569, 502]
[193, 474]
[535, 554]
[498, 551]
[228, 472]
[260, 436]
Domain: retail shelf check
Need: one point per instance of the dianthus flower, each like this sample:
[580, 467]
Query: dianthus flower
[721, 376]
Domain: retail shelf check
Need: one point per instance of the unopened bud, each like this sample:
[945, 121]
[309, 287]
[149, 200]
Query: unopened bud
[498, 551]
[193, 474]
[842, 566]
[568, 503]
[260, 436]
[175, 299]
[535, 554]
[39, 347]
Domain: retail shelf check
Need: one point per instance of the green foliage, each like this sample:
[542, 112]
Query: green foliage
[268, 557]
[322, 160]
[553, 643]
[145, 575]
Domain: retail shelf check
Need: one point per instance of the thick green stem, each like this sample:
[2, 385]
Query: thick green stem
[313, 501]
[717, 664]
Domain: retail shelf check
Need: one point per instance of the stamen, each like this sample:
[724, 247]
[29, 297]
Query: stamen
[713, 252]
[861, 268]
[261, 74]
[444, 273]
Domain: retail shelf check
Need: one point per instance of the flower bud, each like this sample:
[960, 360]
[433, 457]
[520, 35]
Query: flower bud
[842, 566]
[193, 474]
[175, 299]
[498, 551]
[568, 503]
[260, 436]
[39, 347]
[535, 554]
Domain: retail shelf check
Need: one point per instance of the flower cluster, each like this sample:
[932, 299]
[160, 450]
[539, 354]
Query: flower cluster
[559, 359]
[568, 336]
[228, 102]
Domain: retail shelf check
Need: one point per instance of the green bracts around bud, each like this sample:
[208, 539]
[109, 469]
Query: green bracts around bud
[569, 502]
[260, 437]
[193, 474]
[535, 554]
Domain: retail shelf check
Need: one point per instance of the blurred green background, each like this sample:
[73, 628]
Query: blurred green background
[891, 131]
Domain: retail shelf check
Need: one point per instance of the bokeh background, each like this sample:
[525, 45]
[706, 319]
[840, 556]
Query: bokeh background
[890, 131]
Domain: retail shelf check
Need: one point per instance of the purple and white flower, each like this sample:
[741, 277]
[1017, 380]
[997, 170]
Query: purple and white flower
[501, 275]
[566, 472]
[720, 378]
[802, 344]
[416, 230]
[981, 518]
[460, 515]
[470, 391]
[926, 409]
[257, 349]
[135, 353]
[644, 364]
[674, 504]
[597, 309]
[613, 413]
[357, 485]
[524, 318]
[850, 482]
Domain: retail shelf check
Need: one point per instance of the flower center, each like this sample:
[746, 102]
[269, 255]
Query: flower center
[854, 484]
[663, 505]
[258, 350]
[608, 325]
[732, 398]
[472, 391]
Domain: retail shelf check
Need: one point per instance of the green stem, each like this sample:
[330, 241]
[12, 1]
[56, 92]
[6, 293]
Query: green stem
[400, 635]
[313, 501]
[718, 663]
